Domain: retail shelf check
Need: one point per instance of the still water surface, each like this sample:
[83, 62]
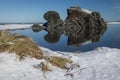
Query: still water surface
[110, 38]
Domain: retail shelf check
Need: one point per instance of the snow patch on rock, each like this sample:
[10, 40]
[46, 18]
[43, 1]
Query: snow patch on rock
[86, 11]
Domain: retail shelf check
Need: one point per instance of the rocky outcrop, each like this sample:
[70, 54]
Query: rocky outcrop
[83, 19]
[81, 25]
[37, 27]
[53, 19]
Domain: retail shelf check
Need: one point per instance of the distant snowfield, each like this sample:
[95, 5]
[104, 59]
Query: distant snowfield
[113, 23]
[100, 64]
[15, 26]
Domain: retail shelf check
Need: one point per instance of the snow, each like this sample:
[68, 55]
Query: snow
[15, 26]
[81, 9]
[113, 23]
[100, 64]
[86, 11]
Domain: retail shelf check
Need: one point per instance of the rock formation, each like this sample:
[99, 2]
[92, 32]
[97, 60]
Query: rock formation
[37, 28]
[80, 19]
[81, 25]
[53, 19]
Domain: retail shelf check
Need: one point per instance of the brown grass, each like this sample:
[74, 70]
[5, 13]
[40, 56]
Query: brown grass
[5, 40]
[19, 44]
[23, 46]
[0, 60]
[58, 61]
[45, 67]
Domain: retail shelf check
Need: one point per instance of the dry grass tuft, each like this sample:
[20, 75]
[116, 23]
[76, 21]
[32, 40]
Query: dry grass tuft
[58, 61]
[19, 44]
[45, 67]
[23, 46]
[0, 60]
[5, 40]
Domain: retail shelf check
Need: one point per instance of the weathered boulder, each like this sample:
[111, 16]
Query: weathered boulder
[51, 16]
[37, 27]
[83, 19]
[53, 19]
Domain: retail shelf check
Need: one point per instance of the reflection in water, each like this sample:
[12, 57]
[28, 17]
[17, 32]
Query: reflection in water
[52, 37]
[76, 36]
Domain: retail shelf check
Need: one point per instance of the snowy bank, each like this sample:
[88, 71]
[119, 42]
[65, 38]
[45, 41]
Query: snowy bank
[100, 64]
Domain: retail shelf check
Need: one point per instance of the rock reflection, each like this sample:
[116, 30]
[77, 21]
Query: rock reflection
[76, 36]
[52, 37]
[85, 35]
[80, 26]
[54, 34]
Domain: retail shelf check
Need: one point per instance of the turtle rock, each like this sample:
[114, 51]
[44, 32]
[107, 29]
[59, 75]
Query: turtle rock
[53, 19]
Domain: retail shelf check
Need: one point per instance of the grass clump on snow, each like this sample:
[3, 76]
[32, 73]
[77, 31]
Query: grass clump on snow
[58, 61]
[45, 67]
[21, 45]
[5, 40]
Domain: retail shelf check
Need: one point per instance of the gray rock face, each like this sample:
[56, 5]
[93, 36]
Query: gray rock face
[51, 16]
[80, 26]
[53, 19]
[78, 19]
[37, 27]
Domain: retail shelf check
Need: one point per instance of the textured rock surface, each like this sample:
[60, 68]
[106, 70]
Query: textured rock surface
[81, 25]
[53, 19]
[79, 19]
[37, 27]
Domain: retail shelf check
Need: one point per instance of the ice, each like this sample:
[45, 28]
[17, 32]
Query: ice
[100, 64]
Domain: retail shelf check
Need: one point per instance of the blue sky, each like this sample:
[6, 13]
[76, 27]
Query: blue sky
[14, 11]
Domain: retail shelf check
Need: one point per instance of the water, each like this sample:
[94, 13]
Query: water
[108, 38]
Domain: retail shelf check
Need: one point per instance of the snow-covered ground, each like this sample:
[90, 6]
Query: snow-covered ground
[100, 64]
